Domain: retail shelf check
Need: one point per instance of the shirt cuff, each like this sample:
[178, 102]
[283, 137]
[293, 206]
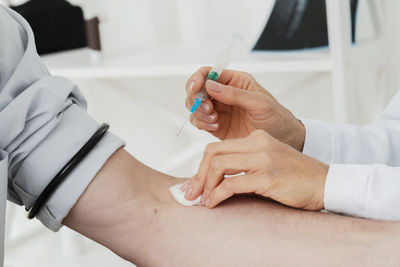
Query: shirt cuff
[39, 168]
[346, 189]
[369, 191]
[318, 143]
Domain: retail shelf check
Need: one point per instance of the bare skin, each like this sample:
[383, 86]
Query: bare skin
[128, 209]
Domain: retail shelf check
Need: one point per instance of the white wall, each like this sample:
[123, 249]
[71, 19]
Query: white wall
[393, 29]
[133, 24]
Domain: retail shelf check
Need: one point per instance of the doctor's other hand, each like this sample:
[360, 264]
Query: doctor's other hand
[271, 169]
[240, 106]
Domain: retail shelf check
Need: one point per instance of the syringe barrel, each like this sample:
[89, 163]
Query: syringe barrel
[221, 64]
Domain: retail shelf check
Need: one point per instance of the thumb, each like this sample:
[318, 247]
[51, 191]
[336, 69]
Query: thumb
[231, 95]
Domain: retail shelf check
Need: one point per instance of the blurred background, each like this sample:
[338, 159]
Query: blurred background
[135, 57]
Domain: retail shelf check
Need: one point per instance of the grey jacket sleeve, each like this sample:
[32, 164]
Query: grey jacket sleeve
[43, 124]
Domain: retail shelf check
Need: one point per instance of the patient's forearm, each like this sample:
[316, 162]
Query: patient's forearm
[128, 209]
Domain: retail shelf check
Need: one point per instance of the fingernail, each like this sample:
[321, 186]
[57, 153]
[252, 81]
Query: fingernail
[189, 192]
[185, 185]
[214, 86]
[192, 83]
[189, 185]
[205, 107]
[207, 202]
[213, 126]
[211, 117]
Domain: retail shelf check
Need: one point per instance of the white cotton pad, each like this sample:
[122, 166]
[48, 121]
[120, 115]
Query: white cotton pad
[179, 196]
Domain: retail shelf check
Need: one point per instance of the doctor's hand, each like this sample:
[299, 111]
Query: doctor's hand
[240, 106]
[272, 169]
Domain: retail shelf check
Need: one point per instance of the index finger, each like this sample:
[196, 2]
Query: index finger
[230, 146]
[195, 82]
[241, 184]
[198, 78]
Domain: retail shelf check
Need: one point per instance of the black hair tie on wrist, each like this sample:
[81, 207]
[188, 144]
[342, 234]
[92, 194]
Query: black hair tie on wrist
[66, 170]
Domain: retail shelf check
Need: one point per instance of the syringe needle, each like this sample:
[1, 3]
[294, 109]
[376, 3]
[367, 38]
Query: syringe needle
[221, 63]
[183, 125]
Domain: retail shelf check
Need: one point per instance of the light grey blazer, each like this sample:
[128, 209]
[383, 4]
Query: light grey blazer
[43, 123]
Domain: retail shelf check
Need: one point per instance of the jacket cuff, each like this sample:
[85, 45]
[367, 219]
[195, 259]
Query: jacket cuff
[73, 130]
[318, 143]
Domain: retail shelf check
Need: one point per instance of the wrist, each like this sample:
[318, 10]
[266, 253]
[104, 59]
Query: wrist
[298, 136]
[321, 186]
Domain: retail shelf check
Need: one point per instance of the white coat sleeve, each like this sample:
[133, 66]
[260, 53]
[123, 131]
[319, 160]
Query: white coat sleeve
[374, 143]
[43, 124]
[364, 173]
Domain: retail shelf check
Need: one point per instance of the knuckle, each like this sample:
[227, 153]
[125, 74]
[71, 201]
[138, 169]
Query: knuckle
[247, 79]
[264, 187]
[203, 69]
[246, 74]
[209, 150]
[261, 137]
[258, 133]
[226, 186]
[216, 164]
[236, 92]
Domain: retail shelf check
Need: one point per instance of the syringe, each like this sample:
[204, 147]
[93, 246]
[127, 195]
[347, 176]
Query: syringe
[222, 61]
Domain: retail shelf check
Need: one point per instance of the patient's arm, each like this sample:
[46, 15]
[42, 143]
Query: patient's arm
[128, 209]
